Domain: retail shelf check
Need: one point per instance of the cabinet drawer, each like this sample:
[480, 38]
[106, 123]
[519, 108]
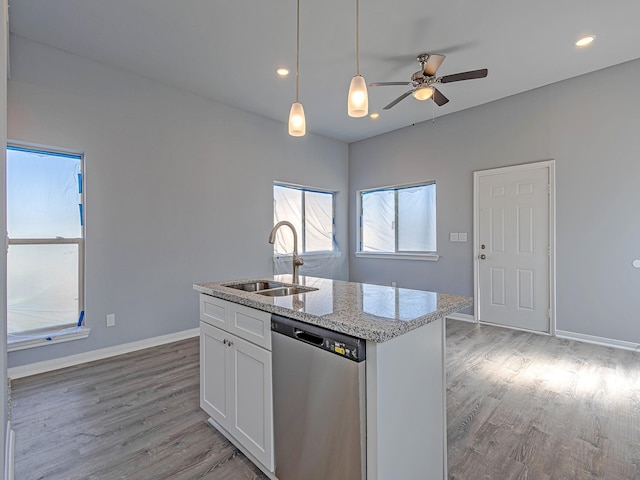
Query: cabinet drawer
[248, 323]
[251, 324]
[214, 311]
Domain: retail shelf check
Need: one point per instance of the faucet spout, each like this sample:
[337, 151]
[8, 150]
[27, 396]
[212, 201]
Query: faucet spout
[297, 261]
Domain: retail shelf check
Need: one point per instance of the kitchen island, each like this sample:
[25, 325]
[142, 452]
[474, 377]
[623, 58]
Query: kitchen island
[404, 332]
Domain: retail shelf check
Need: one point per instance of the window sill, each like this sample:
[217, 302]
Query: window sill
[22, 342]
[432, 257]
[310, 255]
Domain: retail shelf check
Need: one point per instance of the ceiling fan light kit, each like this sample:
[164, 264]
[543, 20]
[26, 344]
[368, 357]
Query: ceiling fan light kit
[358, 99]
[423, 93]
[297, 121]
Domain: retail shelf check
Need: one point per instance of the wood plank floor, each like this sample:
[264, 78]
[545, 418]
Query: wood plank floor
[520, 406]
[135, 416]
[526, 406]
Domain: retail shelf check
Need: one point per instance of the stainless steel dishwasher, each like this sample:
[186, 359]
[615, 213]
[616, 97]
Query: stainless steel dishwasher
[319, 410]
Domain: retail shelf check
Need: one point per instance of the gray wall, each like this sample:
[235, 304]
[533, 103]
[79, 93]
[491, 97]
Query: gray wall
[178, 188]
[590, 126]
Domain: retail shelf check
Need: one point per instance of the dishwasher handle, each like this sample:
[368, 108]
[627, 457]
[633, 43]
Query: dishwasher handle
[307, 337]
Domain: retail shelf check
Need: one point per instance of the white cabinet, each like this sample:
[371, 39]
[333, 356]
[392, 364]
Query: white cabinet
[235, 374]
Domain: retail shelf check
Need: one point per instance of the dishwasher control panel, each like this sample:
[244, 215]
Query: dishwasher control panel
[346, 346]
[349, 350]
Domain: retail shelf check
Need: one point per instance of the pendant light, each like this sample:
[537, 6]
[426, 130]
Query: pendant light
[358, 101]
[297, 122]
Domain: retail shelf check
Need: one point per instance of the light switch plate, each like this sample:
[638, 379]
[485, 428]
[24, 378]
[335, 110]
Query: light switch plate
[453, 237]
[462, 237]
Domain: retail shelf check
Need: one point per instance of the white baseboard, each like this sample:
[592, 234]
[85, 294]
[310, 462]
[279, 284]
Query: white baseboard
[71, 360]
[9, 454]
[463, 317]
[605, 342]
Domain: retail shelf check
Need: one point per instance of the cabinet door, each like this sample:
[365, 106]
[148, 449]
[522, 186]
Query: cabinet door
[252, 424]
[215, 374]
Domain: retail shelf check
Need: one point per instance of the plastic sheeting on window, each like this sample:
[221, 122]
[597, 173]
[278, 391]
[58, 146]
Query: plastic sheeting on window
[417, 219]
[311, 213]
[44, 209]
[42, 287]
[318, 222]
[43, 195]
[415, 222]
[378, 217]
[323, 266]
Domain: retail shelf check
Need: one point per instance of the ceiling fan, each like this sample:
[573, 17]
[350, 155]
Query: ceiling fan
[423, 80]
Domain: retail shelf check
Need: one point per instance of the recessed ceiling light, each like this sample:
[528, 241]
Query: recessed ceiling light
[374, 116]
[282, 72]
[584, 41]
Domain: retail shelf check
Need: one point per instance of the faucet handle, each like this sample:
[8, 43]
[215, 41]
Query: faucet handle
[298, 260]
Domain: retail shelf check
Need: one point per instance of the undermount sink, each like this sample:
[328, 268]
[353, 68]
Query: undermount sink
[256, 286]
[271, 289]
[284, 291]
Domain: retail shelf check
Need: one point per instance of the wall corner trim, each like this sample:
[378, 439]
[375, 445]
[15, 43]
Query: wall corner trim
[463, 317]
[71, 360]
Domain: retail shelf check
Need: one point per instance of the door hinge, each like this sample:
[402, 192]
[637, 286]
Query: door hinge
[548, 249]
[549, 314]
[548, 188]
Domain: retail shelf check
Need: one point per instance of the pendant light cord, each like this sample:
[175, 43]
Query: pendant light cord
[297, 50]
[357, 37]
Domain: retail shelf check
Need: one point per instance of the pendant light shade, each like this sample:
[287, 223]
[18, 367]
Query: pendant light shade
[358, 100]
[358, 103]
[297, 122]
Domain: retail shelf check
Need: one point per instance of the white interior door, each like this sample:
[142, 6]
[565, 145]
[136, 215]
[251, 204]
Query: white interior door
[513, 246]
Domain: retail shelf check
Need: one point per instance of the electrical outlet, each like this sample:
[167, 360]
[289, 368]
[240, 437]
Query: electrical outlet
[454, 237]
[462, 237]
[111, 320]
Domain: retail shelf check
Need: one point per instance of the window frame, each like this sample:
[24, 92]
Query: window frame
[397, 254]
[302, 251]
[72, 330]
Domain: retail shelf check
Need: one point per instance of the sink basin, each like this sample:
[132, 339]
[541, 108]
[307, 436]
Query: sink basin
[284, 291]
[256, 286]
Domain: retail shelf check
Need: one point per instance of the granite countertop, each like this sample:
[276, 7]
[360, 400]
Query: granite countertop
[371, 312]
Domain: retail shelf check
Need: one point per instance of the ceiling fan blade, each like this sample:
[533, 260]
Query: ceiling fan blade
[433, 63]
[438, 97]
[383, 84]
[457, 77]
[398, 100]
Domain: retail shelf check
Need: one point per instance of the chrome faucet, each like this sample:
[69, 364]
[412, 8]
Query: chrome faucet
[297, 261]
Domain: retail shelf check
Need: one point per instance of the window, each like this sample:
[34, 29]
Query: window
[45, 261]
[311, 213]
[398, 220]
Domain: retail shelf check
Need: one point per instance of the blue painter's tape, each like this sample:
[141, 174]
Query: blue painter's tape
[81, 319]
[49, 338]
[79, 183]
[81, 216]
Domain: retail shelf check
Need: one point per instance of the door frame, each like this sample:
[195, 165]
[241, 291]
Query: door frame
[550, 165]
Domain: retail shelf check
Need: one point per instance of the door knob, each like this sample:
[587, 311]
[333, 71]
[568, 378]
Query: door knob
[482, 257]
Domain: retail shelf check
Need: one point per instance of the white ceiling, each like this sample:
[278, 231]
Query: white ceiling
[228, 50]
